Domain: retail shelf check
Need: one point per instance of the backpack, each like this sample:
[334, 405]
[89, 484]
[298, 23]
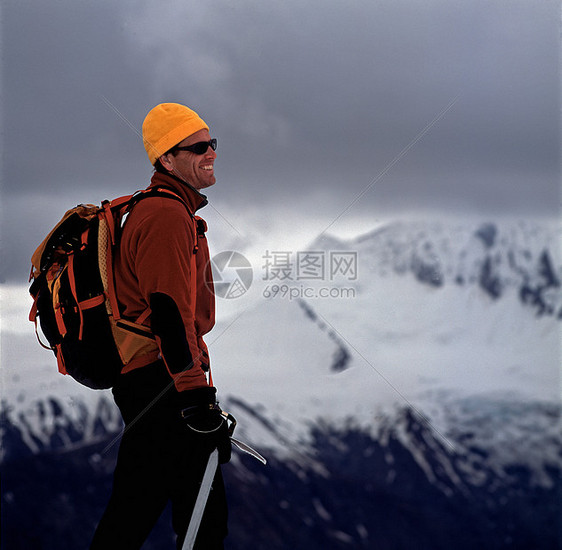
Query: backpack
[74, 296]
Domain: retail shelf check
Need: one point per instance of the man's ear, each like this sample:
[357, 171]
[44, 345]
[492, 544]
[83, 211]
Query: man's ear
[165, 162]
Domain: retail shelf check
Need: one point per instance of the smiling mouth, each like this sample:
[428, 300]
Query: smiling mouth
[208, 167]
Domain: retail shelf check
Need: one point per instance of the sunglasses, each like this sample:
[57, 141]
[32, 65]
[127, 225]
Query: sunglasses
[199, 148]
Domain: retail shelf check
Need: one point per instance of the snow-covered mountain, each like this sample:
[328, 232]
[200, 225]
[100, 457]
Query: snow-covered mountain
[498, 258]
[415, 399]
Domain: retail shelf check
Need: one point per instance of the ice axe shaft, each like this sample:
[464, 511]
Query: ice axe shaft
[201, 501]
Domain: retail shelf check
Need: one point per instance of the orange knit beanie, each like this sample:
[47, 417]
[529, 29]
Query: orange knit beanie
[166, 125]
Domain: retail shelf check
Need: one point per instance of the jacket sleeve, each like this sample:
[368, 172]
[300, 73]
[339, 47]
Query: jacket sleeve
[164, 264]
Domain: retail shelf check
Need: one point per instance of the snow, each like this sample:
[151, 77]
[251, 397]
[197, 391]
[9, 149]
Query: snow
[406, 343]
[29, 376]
[410, 344]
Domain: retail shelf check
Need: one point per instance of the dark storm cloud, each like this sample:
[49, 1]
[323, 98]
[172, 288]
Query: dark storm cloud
[60, 59]
[312, 102]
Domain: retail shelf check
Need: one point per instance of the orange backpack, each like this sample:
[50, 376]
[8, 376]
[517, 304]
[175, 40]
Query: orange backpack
[74, 293]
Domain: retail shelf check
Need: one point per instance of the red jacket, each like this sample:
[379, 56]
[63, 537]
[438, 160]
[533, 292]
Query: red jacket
[156, 256]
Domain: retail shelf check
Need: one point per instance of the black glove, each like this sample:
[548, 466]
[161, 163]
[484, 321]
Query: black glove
[207, 422]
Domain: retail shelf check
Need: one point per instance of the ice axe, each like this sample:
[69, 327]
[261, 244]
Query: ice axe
[207, 482]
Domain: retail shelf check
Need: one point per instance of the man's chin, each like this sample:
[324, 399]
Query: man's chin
[208, 184]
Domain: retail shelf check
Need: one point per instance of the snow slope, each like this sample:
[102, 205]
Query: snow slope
[422, 329]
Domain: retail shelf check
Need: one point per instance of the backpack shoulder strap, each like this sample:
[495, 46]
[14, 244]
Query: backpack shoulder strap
[157, 192]
[199, 225]
[112, 214]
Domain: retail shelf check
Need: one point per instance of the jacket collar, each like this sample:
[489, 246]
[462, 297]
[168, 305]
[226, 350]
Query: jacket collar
[194, 199]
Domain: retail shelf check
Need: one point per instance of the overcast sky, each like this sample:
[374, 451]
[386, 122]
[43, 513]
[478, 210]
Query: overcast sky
[324, 110]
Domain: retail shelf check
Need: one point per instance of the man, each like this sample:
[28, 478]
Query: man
[163, 279]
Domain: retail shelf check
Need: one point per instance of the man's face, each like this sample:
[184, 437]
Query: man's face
[197, 170]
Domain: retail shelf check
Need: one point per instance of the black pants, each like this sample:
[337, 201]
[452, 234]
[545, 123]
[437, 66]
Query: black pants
[159, 461]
